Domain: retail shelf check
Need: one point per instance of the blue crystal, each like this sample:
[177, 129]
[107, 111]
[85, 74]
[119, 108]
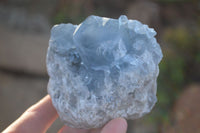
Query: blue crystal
[103, 63]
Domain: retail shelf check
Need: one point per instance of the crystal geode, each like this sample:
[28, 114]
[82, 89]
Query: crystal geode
[102, 69]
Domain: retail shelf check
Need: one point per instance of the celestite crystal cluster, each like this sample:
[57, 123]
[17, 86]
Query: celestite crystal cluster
[101, 69]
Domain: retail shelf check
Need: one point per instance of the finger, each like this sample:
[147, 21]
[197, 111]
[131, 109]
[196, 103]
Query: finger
[36, 119]
[118, 125]
[66, 129]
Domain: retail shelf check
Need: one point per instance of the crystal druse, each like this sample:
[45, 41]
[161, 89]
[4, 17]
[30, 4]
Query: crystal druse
[102, 69]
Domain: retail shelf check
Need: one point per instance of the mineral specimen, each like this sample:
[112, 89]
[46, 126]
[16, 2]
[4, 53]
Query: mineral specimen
[101, 69]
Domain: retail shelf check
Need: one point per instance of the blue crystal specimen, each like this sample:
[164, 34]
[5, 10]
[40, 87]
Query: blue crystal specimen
[101, 69]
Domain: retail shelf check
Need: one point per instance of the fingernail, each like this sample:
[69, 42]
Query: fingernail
[118, 125]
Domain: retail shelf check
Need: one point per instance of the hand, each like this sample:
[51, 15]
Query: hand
[39, 117]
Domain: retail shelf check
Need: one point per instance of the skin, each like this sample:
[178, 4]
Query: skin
[39, 117]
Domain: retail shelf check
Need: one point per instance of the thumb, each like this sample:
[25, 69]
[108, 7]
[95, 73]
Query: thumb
[118, 125]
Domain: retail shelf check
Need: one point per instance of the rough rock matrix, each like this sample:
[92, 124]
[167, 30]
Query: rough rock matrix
[102, 69]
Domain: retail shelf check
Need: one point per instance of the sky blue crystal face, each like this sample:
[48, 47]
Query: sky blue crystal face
[101, 69]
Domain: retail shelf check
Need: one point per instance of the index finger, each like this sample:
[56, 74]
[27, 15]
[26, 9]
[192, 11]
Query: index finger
[38, 118]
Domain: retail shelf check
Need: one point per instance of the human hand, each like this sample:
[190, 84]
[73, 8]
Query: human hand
[39, 117]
